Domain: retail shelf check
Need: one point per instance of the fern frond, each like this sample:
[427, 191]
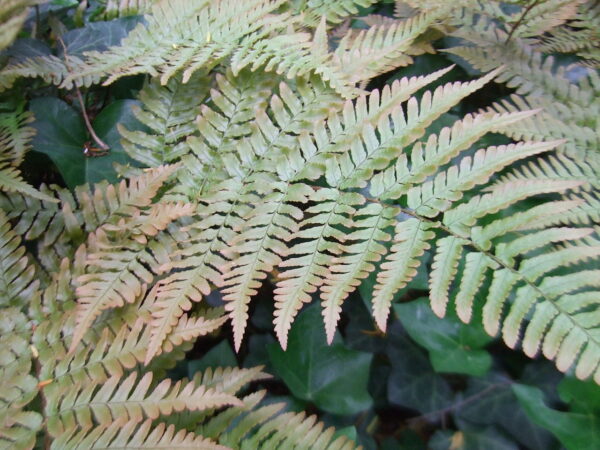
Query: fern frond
[148, 435]
[365, 248]
[129, 399]
[13, 14]
[380, 49]
[399, 266]
[18, 427]
[14, 142]
[334, 12]
[310, 259]
[169, 112]
[17, 276]
[184, 35]
[116, 267]
[124, 8]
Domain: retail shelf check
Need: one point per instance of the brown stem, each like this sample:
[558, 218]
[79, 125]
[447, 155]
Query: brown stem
[521, 19]
[86, 118]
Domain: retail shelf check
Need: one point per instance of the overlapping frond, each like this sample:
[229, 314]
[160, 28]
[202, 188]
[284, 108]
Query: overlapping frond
[122, 8]
[18, 427]
[334, 12]
[169, 113]
[17, 276]
[369, 53]
[13, 14]
[14, 142]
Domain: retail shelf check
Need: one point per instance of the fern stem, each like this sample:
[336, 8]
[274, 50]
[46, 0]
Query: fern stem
[521, 19]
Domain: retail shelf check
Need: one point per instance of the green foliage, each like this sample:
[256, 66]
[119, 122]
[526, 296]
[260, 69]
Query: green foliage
[333, 377]
[273, 155]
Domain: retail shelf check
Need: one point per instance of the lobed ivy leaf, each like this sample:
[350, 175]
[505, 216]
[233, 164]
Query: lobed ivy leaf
[61, 134]
[333, 377]
[577, 429]
[453, 346]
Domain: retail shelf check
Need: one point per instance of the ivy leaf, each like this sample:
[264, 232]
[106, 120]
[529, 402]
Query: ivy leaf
[453, 346]
[583, 396]
[576, 430]
[333, 377]
[61, 134]
[490, 401]
[488, 438]
[413, 383]
[97, 36]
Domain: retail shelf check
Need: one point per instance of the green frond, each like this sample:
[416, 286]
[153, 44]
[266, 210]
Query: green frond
[123, 8]
[117, 257]
[14, 142]
[149, 435]
[308, 262]
[18, 284]
[365, 248]
[432, 197]
[295, 430]
[169, 112]
[185, 36]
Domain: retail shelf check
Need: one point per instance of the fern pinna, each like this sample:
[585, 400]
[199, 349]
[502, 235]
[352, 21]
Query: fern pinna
[264, 156]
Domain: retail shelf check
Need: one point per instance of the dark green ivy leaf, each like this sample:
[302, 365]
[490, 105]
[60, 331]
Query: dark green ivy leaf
[333, 377]
[453, 346]
[413, 383]
[61, 134]
[576, 430]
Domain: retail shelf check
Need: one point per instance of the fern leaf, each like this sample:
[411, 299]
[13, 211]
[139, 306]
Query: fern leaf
[310, 259]
[399, 266]
[17, 276]
[169, 112]
[314, 10]
[357, 262]
[14, 138]
[131, 434]
[130, 399]
[435, 196]
[397, 180]
[12, 16]
[114, 277]
[380, 48]
[18, 428]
